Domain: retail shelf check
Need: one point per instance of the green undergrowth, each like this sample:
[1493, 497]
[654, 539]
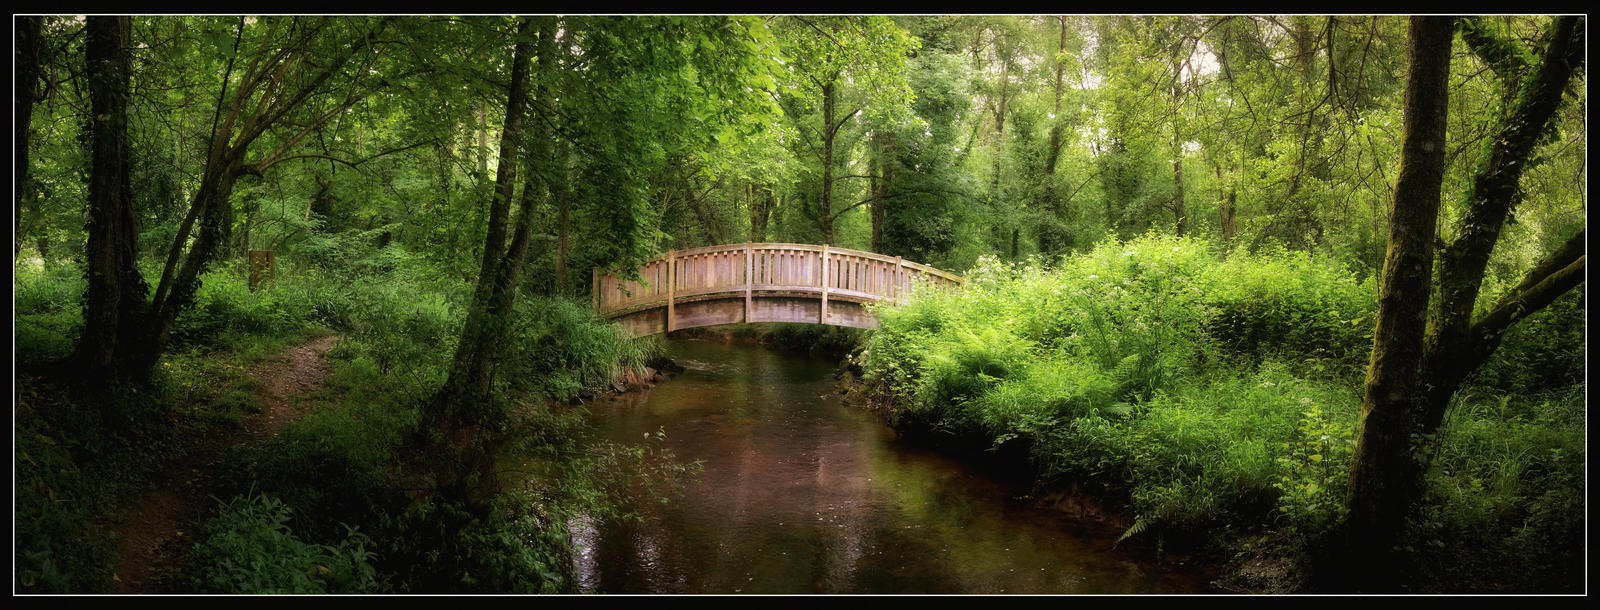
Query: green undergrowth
[82, 455]
[368, 491]
[1209, 396]
[335, 501]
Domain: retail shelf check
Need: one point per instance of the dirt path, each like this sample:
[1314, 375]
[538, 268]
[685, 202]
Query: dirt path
[156, 528]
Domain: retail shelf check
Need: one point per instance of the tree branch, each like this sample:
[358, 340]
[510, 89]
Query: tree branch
[261, 167]
[1495, 185]
[1506, 59]
[1519, 304]
[1520, 299]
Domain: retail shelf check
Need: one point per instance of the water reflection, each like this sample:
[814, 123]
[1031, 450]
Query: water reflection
[801, 494]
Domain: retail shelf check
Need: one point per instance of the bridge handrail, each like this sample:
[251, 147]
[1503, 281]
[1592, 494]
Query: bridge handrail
[648, 291]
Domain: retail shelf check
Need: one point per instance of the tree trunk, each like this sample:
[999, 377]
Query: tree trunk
[1227, 207]
[1048, 242]
[1418, 362]
[27, 82]
[999, 131]
[826, 217]
[1454, 350]
[560, 189]
[1384, 475]
[463, 415]
[761, 206]
[563, 228]
[483, 138]
[464, 398]
[1179, 215]
[881, 183]
[115, 293]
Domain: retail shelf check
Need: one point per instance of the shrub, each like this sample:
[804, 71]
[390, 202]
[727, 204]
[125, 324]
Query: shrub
[249, 548]
[1100, 368]
[560, 346]
[59, 549]
[47, 307]
[1289, 306]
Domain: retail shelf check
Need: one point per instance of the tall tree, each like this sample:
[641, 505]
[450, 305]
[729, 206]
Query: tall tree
[115, 293]
[462, 412]
[1420, 358]
[847, 66]
[23, 93]
[284, 90]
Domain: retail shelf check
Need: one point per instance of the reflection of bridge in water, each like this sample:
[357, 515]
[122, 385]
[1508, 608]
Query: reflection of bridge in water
[737, 283]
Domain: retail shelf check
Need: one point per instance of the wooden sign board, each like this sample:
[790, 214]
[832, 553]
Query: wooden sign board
[263, 267]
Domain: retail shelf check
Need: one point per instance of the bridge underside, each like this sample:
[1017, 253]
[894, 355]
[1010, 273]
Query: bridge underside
[713, 310]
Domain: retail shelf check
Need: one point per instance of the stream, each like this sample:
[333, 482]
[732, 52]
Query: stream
[800, 493]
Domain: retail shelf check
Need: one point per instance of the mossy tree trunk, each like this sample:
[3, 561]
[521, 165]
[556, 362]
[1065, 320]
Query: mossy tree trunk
[462, 418]
[1419, 360]
[115, 295]
[24, 87]
[124, 336]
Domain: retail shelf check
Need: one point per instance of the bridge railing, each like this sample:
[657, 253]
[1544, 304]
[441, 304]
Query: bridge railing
[824, 271]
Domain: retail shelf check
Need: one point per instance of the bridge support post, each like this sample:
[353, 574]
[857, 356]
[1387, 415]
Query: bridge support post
[672, 280]
[822, 313]
[749, 279]
[899, 278]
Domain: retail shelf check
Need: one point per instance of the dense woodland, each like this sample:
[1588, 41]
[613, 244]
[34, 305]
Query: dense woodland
[1295, 291]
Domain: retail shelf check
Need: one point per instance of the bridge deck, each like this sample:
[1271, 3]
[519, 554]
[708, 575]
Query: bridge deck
[763, 282]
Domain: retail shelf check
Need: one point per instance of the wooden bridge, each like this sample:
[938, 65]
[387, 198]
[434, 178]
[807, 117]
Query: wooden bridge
[750, 282]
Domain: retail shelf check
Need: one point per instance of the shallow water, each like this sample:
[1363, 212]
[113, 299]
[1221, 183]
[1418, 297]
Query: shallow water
[802, 494]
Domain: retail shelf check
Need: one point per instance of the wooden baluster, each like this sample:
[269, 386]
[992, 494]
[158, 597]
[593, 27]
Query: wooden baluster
[899, 278]
[822, 316]
[749, 279]
[672, 280]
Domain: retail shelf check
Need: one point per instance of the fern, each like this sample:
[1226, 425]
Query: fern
[1138, 526]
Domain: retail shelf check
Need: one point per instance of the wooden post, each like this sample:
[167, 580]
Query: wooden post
[822, 315]
[749, 278]
[594, 274]
[899, 273]
[672, 280]
[262, 267]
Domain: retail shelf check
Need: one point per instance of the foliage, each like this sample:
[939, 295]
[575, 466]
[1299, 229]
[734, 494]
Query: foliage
[560, 347]
[1544, 352]
[250, 548]
[1314, 483]
[1290, 306]
[1171, 225]
[1505, 488]
[47, 308]
[1106, 370]
[59, 548]
[815, 340]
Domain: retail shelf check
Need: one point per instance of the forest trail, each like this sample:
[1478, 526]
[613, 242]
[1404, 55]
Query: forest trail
[157, 528]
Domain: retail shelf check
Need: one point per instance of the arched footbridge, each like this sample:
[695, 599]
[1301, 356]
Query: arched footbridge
[752, 282]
